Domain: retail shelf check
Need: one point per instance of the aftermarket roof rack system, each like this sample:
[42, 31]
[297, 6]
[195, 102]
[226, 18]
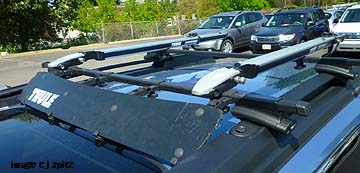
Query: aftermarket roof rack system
[270, 112]
[217, 84]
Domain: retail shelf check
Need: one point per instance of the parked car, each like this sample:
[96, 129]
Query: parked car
[331, 15]
[239, 25]
[349, 24]
[289, 27]
[269, 15]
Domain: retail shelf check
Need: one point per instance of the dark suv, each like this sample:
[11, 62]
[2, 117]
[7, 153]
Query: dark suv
[289, 27]
[239, 25]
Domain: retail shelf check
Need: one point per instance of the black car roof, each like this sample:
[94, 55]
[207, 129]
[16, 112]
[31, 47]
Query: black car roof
[266, 125]
[297, 10]
[230, 13]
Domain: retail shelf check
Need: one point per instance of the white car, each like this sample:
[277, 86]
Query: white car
[349, 24]
[332, 15]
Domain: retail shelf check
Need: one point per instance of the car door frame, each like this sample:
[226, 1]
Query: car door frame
[239, 33]
[310, 29]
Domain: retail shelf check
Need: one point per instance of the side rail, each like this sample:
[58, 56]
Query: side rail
[81, 57]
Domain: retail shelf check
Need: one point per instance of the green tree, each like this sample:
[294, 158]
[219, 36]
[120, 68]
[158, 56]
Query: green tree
[107, 11]
[128, 13]
[167, 9]
[232, 5]
[206, 8]
[26, 21]
[186, 7]
[147, 10]
[66, 12]
[85, 17]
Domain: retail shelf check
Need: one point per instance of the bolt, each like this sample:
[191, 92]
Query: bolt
[96, 132]
[173, 160]
[179, 152]
[199, 112]
[240, 129]
[81, 60]
[113, 108]
[216, 94]
[239, 80]
[61, 67]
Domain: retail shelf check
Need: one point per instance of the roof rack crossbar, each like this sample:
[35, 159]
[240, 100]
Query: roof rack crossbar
[252, 67]
[162, 85]
[81, 57]
[11, 91]
[213, 54]
[122, 65]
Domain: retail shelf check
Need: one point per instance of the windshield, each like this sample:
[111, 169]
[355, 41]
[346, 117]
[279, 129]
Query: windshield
[351, 15]
[285, 20]
[218, 22]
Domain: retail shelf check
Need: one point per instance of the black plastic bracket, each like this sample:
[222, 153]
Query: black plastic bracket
[271, 120]
[97, 55]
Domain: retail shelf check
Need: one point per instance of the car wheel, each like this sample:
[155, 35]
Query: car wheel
[227, 46]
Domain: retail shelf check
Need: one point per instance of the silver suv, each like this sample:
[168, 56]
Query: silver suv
[239, 25]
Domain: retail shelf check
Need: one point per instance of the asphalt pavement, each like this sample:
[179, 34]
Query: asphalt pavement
[19, 68]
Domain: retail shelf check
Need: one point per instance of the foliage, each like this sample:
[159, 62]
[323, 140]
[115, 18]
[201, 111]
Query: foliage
[233, 5]
[25, 22]
[186, 7]
[85, 17]
[206, 8]
[107, 11]
[146, 11]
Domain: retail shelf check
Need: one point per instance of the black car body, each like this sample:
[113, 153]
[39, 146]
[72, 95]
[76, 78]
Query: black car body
[289, 27]
[157, 119]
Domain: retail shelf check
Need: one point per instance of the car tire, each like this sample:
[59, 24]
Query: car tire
[227, 46]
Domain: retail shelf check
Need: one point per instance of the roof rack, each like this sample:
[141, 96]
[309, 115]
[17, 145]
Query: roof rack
[100, 55]
[217, 84]
[252, 67]
[267, 111]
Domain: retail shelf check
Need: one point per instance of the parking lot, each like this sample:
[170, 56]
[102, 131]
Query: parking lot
[20, 68]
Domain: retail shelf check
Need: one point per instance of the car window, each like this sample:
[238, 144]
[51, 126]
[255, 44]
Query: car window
[250, 18]
[240, 19]
[338, 14]
[311, 17]
[258, 16]
[322, 15]
[218, 22]
[286, 20]
[316, 15]
[351, 15]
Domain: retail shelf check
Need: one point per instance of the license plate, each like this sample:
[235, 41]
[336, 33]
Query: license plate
[266, 46]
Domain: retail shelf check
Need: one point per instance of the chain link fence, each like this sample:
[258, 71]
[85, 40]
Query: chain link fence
[110, 32]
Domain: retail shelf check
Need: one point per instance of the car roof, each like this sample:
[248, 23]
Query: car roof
[230, 13]
[298, 10]
[291, 11]
[273, 88]
[332, 11]
[354, 7]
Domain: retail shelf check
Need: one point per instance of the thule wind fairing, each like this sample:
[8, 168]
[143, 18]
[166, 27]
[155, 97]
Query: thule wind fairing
[164, 130]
